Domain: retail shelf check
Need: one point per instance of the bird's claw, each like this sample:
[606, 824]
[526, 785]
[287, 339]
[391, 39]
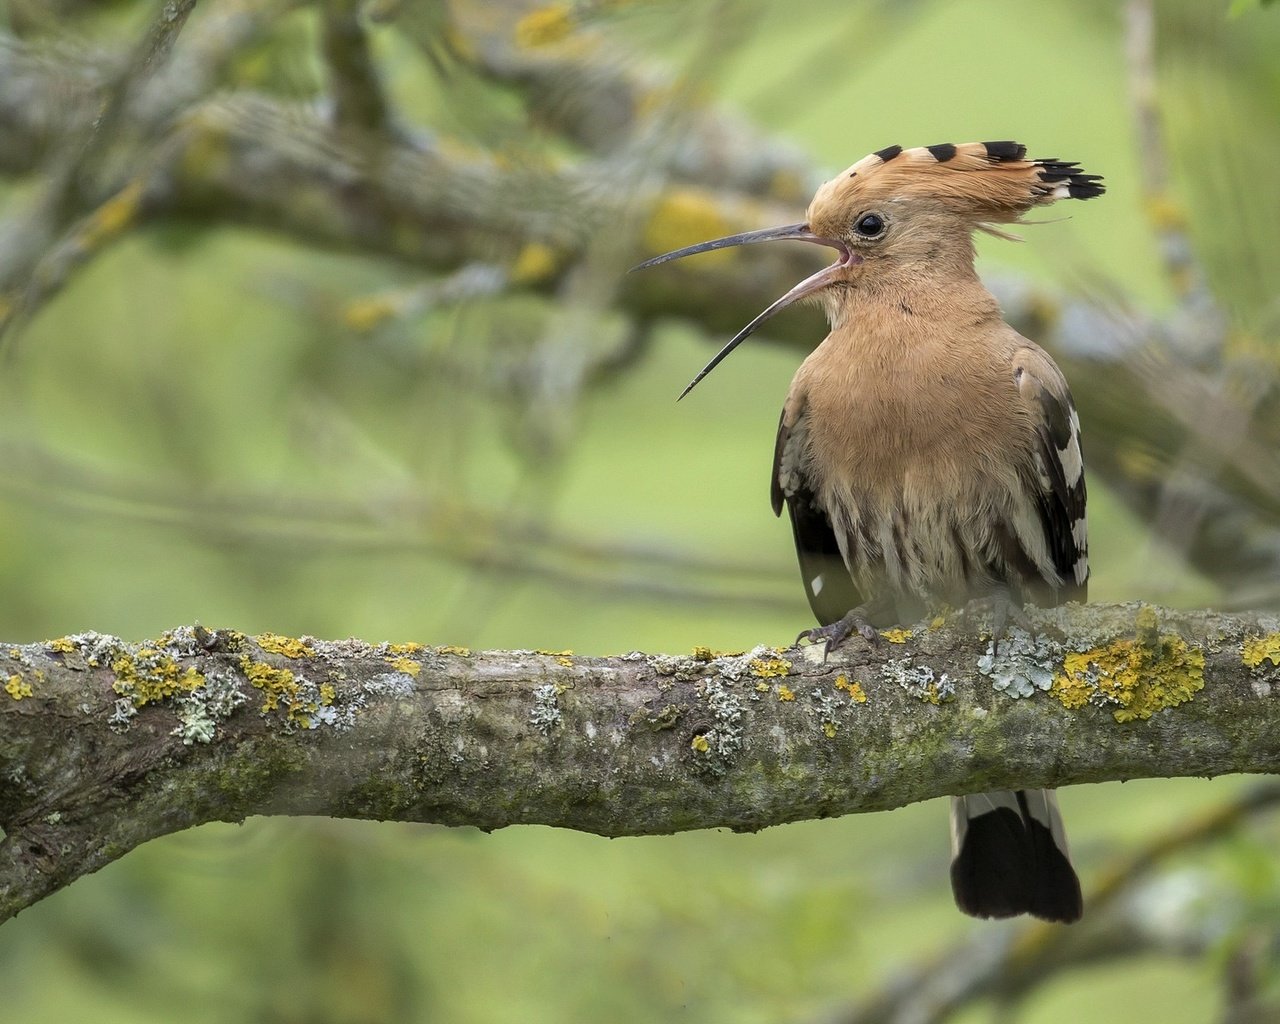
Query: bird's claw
[1004, 609]
[835, 633]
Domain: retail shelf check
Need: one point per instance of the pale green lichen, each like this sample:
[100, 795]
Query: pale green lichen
[761, 662]
[677, 666]
[1139, 675]
[724, 738]
[829, 709]
[921, 681]
[545, 714]
[1023, 664]
[200, 711]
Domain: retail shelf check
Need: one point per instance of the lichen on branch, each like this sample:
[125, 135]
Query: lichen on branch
[105, 744]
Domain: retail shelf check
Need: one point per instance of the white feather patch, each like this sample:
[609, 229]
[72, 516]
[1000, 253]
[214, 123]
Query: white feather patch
[1072, 463]
[1043, 805]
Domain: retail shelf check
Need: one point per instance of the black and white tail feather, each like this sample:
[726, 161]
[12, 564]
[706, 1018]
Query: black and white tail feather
[1009, 856]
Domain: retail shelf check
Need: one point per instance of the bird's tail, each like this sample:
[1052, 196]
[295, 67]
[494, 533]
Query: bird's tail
[1009, 856]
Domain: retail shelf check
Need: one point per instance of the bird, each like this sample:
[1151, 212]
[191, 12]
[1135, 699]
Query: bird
[928, 455]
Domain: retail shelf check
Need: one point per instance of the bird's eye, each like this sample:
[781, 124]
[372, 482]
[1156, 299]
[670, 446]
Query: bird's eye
[870, 225]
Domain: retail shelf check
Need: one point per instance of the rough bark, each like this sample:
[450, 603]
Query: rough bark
[106, 744]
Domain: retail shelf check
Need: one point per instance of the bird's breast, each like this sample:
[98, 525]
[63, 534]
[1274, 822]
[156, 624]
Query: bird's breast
[913, 453]
[884, 418]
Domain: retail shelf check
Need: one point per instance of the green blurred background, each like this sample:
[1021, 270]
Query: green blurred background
[200, 426]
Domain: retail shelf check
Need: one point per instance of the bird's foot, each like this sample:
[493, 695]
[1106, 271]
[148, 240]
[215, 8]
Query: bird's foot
[1003, 609]
[835, 633]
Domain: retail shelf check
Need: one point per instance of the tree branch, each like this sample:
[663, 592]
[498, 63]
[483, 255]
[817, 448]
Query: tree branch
[104, 745]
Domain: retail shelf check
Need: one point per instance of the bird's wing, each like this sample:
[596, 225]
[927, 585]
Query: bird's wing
[827, 582]
[1058, 477]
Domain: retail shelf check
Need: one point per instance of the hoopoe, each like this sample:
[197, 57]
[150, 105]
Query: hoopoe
[928, 454]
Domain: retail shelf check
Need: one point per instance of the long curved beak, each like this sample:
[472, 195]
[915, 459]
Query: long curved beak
[788, 232]
[814, 283]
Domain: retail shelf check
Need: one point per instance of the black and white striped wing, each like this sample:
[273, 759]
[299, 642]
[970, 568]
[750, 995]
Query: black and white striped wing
[1058, 478]
[827, 582]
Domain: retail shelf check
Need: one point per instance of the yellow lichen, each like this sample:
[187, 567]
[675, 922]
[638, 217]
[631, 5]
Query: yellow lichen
[762, 687]
[287, 646]
[789, 186]
[535, 262]
[1258, 649]
[830, 729]
[279, 686]
[461, 652]
[785, 692]
[564, 658]
[769, 667]
[700, 744]
[409, 648]
[365, 313]
[656, 98]
[703, 654]
[63, 645]
[150, 676]
[896, 636]
[544, 26]
[18, 688]
[684, 216]
[1142, 674]
[327, 694]
[1165, 212]
[405, 665]
[112, 217]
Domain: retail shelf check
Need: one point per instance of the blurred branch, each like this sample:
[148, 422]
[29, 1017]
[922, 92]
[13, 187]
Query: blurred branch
[104, 745]
[25, 274]
[399, 520]
[1033, 954]
[358, 102]
[1183, 270]
[1153, 413]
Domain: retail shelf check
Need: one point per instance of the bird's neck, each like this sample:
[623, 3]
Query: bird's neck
[912, 296]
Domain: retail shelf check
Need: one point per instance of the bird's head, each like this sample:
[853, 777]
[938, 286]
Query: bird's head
[902, 207]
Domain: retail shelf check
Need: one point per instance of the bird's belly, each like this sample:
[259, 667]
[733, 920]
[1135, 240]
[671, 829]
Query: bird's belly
[927, 534]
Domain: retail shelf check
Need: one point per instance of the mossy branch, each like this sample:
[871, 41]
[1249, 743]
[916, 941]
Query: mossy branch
[104, 745]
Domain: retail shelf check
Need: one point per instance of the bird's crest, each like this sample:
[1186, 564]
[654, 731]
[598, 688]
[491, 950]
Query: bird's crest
[980, 181]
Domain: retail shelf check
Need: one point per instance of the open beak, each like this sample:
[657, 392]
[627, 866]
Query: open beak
[814, 283]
